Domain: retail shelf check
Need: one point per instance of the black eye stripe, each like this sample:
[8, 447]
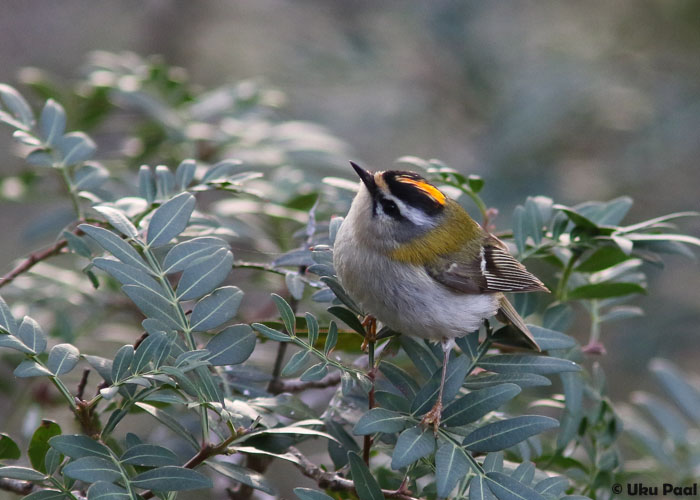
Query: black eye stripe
[389, 208]
[409, 194]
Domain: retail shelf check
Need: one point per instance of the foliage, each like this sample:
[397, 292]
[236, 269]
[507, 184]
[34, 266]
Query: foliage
[162, 243]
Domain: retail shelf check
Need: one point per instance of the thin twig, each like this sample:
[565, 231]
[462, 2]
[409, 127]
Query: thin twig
[297, 385]
[332, 481]
[33, 259]
[81, 385]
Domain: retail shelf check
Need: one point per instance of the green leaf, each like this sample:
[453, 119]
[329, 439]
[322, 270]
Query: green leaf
[451, 466]
[170, 422]
[400, 378]
[102, 490]
[53, 460]
[413, 443]
[39, 158]
[165, 182]
[457, 369]
[296, 363]
[366, 485]
[520, 379]
[184, 173]
[677, 388]
[118, 219]
[478, 490]
[39, 444]
[22, 473]
[519, 228]
[52, 122]
[524, 473]
[21, 114]
[315, 372]
[380, 420]
[47, 495]
[76, 147]
[312, 327]
[242, 475]
[7, 321]
[170, 219]
[31, 335]
[79, 446]
[553, 486]
[469, 344]
[231, 346]
[149, 455]
[558, 317]
[531, 363]
[665, 416]
[550, 339]
[77, 244]
[31, 368]
[8, 448]
[604, 291]
[89, 177]
[420, 355]
[116, 246]
[92, 469]
[621, 312]
[506, 433]
[122, 363]
[331, 338]
[612, 212]
[221, 170]
[153, 305]
[309, 494]
[151, 347]
[476, 183]
[216, 308]
[602, 258]
[507, 488]
[204, 274]
[62, 358]
[476, 404]
[12, 342]
[341, 294]
[147, 186]
[533, 221]
[270, 333]
[348, 317]
[102, 366]
[183, 254]
[295, 285]
[286, 313]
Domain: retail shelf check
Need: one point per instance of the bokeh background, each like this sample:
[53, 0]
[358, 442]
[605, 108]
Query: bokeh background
[572, 100]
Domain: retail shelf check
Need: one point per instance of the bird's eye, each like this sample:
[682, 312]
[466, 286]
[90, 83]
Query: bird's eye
[390, 208]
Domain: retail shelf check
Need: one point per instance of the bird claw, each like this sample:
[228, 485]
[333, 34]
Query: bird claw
[433, 417]
[370, 325]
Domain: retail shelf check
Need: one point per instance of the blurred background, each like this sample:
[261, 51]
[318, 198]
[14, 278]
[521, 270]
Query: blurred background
[572, 100]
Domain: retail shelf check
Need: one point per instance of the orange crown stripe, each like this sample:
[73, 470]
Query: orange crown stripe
[428, 189]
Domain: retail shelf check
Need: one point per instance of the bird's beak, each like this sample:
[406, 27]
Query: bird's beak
[366, 176]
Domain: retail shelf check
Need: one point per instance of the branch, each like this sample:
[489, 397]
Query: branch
[297, 385]
[332, 481]
[16, 486]
[33, 259]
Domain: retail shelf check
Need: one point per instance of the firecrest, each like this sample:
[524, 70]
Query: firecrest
[416, 261]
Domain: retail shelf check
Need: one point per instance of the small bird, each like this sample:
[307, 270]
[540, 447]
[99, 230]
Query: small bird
[416, 261]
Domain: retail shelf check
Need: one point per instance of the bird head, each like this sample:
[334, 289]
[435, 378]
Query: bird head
[397, 206]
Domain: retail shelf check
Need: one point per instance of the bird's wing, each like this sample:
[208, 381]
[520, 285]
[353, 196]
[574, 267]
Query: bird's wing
[493, 270]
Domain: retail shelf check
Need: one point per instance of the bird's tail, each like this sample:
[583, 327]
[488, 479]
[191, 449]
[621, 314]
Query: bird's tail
[508, 315]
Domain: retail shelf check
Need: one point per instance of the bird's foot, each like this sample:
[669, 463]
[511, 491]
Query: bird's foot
[433, 417]
[370, 325]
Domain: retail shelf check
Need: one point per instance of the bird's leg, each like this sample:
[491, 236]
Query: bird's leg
[370, 325]
[435, 414]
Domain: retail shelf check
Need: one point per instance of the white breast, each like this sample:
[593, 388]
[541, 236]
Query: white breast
[404, 297]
